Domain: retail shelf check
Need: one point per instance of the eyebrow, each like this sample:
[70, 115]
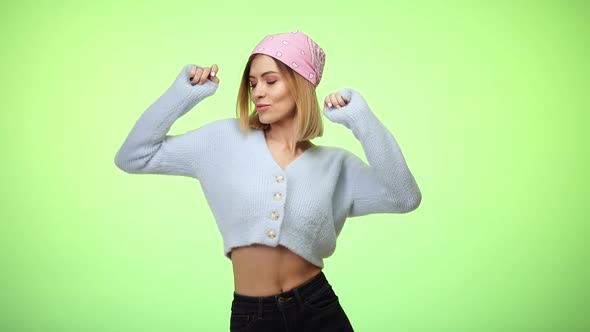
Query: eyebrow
[266, 73]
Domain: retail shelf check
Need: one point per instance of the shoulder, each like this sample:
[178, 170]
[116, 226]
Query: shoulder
[226, 130]
[344, 156]
[352, 163]
[334, 150]
[230, 124]
[220, 127]
[222, 123]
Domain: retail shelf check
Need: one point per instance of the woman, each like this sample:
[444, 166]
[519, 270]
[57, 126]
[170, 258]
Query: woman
[279, 200]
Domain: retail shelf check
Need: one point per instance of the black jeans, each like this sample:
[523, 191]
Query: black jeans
[311, 306]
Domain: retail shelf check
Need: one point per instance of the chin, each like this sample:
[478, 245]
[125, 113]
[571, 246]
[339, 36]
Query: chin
[265, 119]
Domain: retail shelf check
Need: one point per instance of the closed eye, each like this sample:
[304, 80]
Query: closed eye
[270, 82]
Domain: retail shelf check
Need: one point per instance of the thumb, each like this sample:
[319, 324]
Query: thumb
[213, 75]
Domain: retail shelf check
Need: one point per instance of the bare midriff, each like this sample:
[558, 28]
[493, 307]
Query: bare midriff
[261, 270]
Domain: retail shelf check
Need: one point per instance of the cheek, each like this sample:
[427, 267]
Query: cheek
[286, 97]
[282, 92]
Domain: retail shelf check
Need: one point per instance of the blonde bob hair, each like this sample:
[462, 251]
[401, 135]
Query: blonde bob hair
[307, 115]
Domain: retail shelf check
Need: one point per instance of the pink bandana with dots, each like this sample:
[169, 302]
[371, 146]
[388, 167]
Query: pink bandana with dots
[296, 50]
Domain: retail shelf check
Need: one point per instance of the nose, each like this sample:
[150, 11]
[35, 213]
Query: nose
[258, 92]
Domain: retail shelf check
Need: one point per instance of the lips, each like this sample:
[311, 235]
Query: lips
[262, 107]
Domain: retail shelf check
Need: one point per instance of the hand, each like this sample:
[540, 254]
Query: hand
[335, 100]
[199, 75]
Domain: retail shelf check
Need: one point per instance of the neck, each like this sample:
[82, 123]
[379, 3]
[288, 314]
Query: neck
[283, 135]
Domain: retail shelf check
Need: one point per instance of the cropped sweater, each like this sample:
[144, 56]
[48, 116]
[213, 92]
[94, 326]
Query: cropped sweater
[302, 206]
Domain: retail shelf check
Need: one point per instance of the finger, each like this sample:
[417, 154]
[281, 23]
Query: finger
[192, 72]
[214, 70]
[334, 101]
[198, 72]
[204, 75]
[337, 100]
[328, 102]
[341, 100]
[213, 75]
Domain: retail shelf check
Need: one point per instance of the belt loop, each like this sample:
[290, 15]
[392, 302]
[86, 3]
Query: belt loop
[260, 307]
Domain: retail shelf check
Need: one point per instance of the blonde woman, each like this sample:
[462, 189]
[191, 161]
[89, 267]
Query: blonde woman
[279, 200]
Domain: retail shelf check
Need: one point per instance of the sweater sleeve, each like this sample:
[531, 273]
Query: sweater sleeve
[149, 150]
[386, 185]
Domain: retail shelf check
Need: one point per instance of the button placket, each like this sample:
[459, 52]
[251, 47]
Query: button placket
[275, 214]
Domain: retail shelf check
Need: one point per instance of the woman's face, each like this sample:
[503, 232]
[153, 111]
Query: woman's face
[270, 91]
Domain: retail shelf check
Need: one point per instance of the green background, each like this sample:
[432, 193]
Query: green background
[488, 101]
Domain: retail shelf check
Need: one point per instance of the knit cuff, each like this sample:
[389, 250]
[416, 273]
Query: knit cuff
[356, 115]
[189, 94]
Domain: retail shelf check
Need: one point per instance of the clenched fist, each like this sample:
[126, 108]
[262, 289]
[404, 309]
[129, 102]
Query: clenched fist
[199, 75]
[335, 100]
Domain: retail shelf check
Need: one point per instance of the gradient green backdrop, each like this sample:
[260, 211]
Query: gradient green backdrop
[488, 101]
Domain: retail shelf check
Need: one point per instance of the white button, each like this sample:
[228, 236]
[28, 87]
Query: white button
[278, 196]
[271, 234]
[275, 215]
[280, 178]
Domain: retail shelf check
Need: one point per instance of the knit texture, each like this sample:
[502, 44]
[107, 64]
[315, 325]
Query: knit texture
[303, 206]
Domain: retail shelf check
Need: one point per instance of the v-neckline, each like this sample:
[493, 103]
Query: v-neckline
[268, 152]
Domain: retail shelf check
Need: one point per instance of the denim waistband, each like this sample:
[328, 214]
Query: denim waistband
[293, 295]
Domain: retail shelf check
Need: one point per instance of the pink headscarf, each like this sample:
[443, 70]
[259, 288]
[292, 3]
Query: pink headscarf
[296, 50]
